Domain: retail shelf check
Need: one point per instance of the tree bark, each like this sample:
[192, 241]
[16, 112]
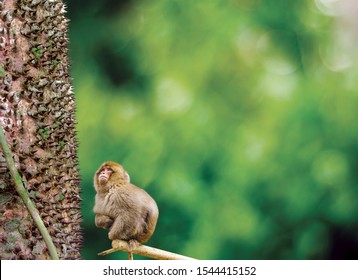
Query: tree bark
[37, 113]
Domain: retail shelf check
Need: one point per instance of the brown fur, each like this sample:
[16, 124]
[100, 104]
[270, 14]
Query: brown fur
[127, 211]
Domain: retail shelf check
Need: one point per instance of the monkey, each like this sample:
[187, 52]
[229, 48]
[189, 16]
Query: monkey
[128, 211]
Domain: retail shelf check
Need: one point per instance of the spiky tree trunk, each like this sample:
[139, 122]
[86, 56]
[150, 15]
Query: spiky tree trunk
[37, 115]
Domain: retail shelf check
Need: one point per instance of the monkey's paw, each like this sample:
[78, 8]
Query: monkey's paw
[132, 244]
[103, 221]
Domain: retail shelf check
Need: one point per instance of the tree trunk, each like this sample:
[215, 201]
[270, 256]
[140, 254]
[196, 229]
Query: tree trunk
[37, 115]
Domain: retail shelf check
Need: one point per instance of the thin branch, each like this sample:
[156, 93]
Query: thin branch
[147, 251]
[25, 197]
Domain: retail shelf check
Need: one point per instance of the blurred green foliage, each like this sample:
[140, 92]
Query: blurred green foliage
[238, 117]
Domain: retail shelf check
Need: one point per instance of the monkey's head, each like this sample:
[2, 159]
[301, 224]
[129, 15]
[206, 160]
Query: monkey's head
[110, 174]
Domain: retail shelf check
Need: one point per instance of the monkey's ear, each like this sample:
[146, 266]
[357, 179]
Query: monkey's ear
[126, 177]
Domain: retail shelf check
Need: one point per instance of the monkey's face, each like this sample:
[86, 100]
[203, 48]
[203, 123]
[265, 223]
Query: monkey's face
[104, 175]
[110, 174]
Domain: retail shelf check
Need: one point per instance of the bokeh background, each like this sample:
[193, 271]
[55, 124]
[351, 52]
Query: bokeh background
[239, 117]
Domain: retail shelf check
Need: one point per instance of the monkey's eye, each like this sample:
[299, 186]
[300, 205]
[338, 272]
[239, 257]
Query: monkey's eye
[107, 169]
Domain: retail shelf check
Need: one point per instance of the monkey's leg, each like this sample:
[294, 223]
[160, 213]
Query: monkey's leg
[117, 230]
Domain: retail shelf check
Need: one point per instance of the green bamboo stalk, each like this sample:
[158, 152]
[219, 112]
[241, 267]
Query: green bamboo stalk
[25, 197]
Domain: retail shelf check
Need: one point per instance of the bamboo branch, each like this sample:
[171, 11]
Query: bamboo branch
[147, 251]
[25, 197]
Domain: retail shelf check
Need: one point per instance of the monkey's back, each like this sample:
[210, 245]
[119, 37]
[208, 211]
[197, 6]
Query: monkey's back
[136, 211]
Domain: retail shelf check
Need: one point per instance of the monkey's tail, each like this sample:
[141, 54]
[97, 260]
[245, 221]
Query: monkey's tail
[130, 256]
